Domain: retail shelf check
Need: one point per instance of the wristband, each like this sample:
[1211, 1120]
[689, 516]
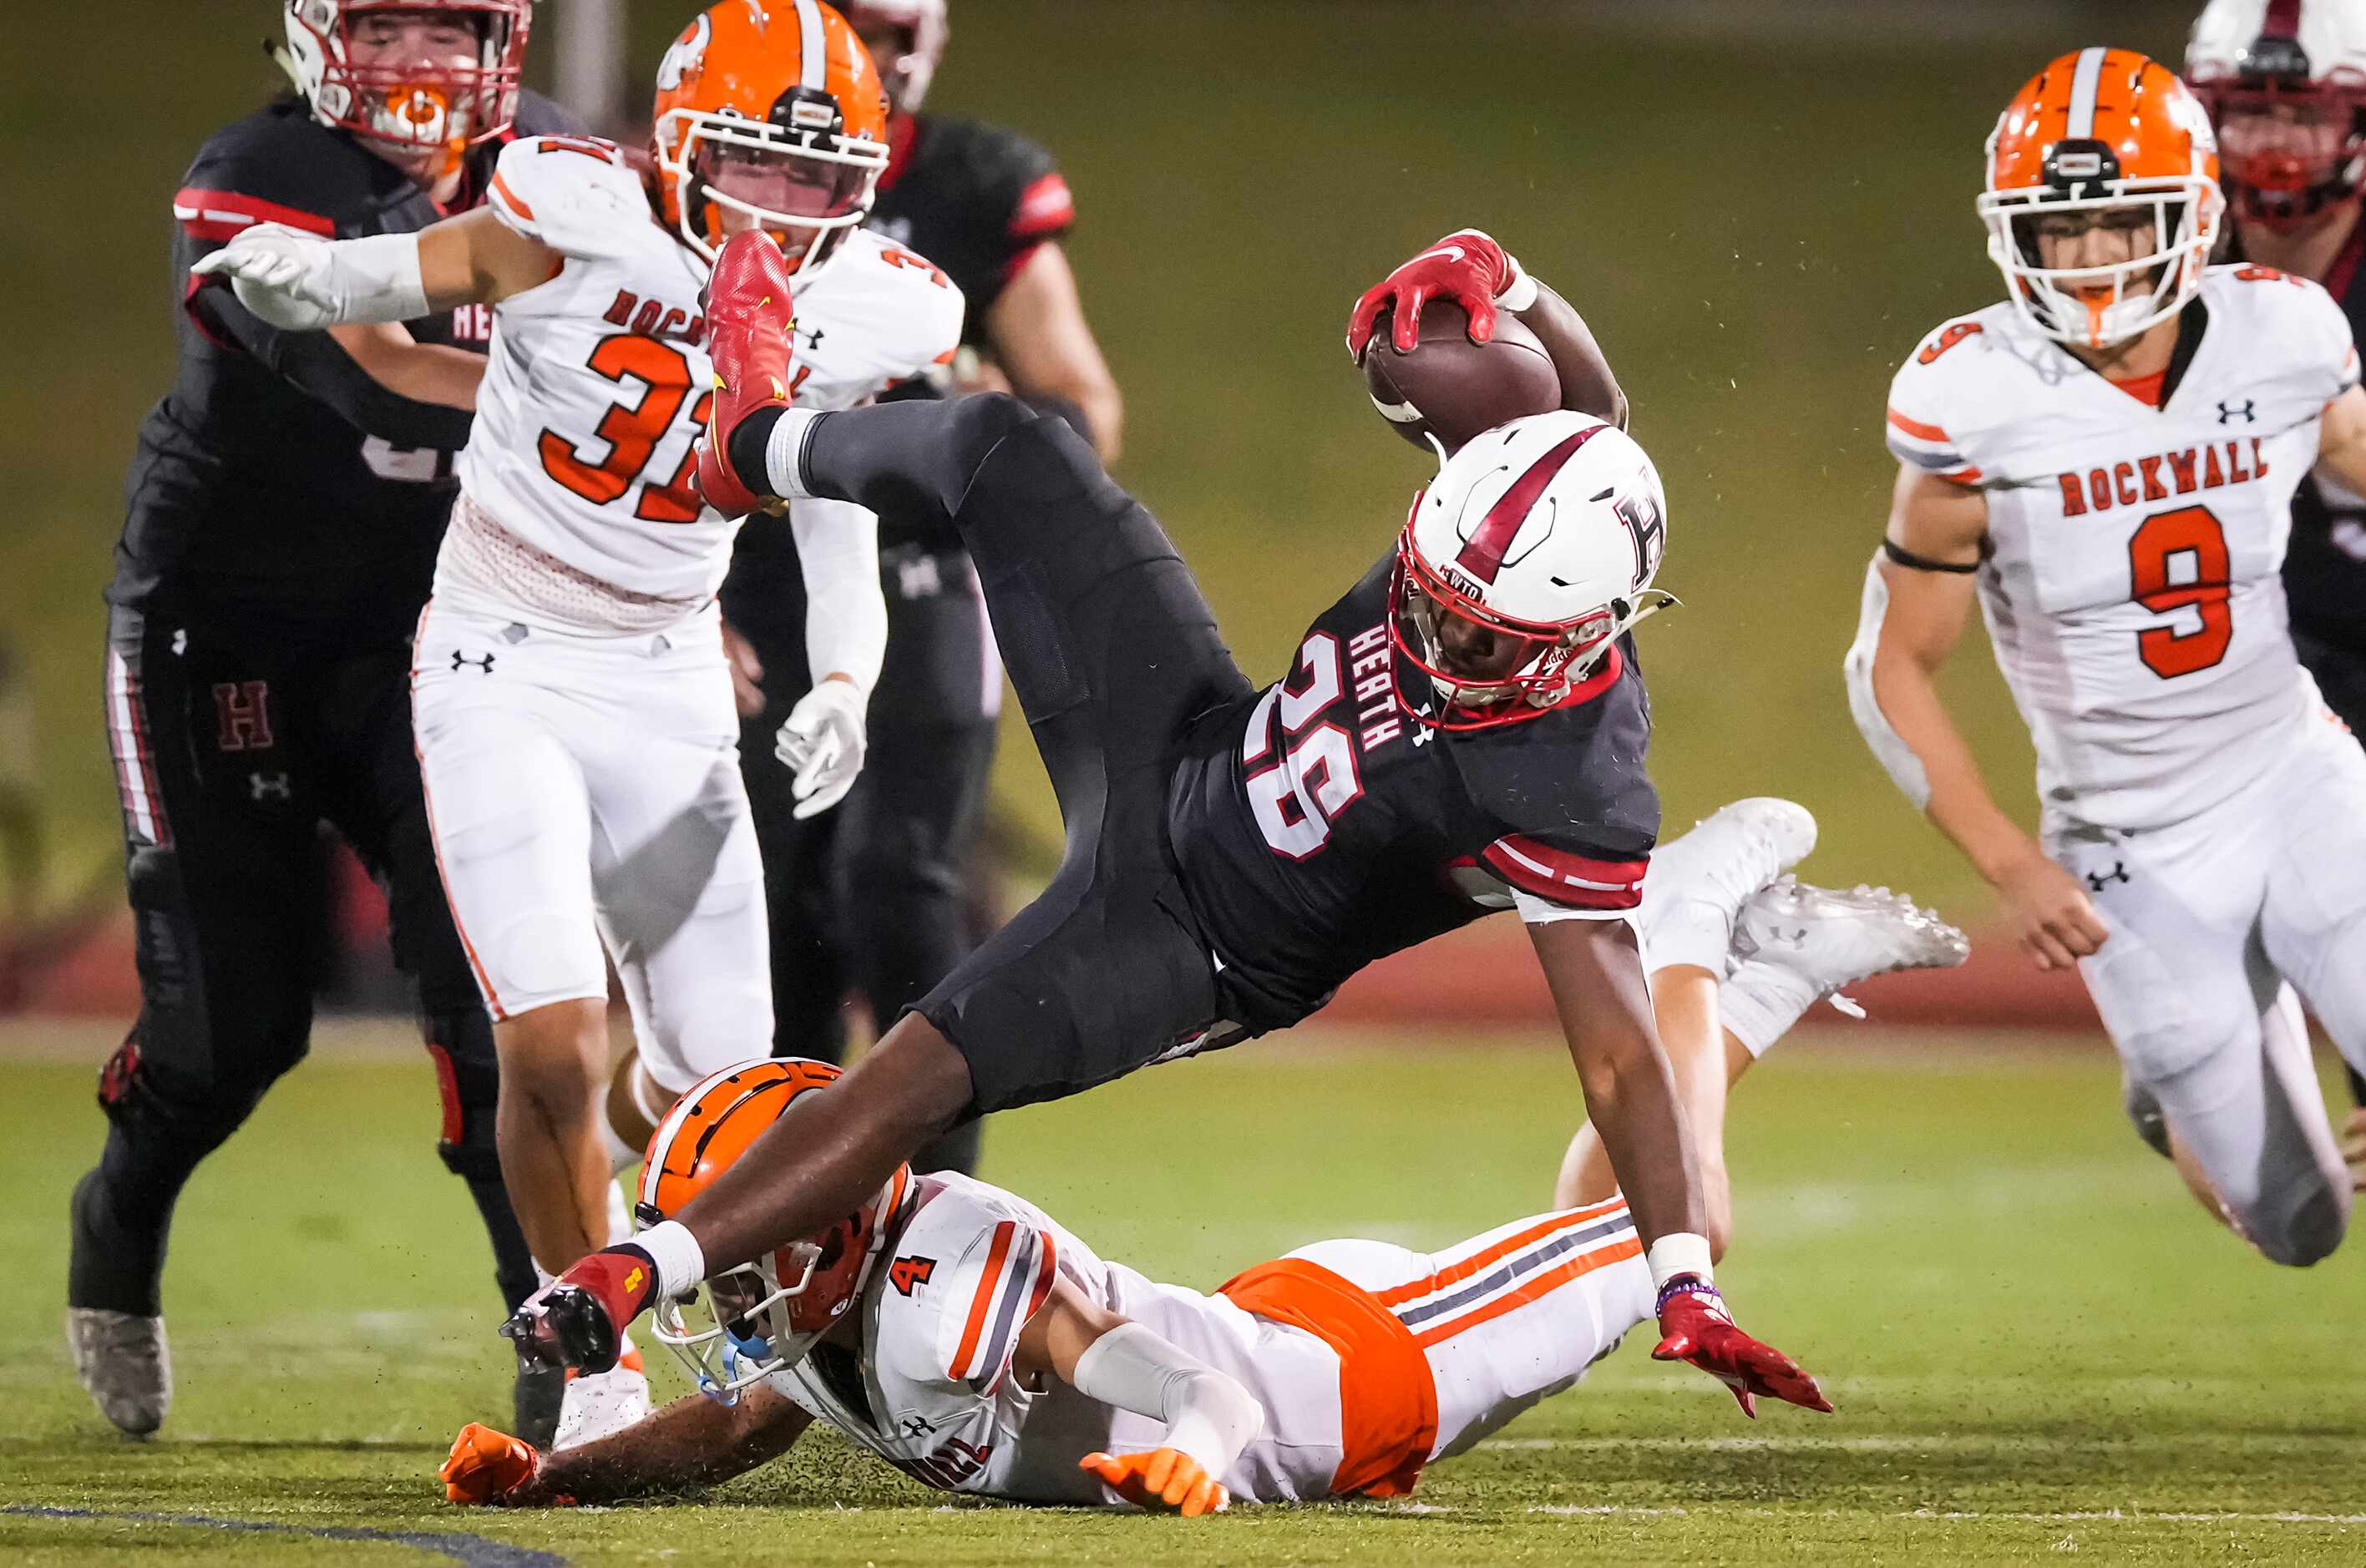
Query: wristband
[1679, 1252]
[675, 1254]
[1520, 293]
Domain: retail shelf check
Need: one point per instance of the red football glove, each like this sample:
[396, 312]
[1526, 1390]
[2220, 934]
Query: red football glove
[1695, 1327]
[751, 338]
[578, 1319]
[1467, 267]
[490, 1468]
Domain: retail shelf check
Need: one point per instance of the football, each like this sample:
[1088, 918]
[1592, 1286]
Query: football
[1452, 387]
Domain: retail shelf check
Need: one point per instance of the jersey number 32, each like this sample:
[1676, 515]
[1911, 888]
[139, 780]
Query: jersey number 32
[632, 430]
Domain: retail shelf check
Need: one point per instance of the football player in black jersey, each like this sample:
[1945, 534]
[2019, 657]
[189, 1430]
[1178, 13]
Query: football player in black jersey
[868, 897]
[283, 512]
[1465, 728]
[2285, 85]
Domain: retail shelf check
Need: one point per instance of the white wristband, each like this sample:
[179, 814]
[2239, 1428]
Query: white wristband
[680, 1261]
[783, 449]
[377, 279]
[1679, 1252]
[1518, 294]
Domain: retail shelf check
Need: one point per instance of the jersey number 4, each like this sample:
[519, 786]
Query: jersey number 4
[1314, 778]
[632, 431]
[2178, 563]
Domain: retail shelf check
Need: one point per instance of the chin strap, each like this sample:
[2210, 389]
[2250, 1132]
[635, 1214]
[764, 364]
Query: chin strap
[1642, 607]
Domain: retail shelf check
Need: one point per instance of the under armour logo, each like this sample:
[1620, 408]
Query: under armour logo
[2245, 410]
[2118, 873]
[917, 578]
[269, 786]
[914, 1427]
[812, 336]
[484, 665]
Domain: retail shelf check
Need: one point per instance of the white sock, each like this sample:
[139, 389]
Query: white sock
[1760, 1002]
[781, 451]
[1687, 931]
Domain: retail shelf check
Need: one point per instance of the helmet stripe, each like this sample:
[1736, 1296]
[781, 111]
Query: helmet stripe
[1482, 557]
[2282, 20]
[2083, 82]
[813, 47]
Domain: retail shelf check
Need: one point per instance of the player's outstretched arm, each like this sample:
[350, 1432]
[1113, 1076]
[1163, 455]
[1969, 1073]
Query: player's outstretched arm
[300, 281]
[1594, 969]
[691, 1443]
[1210, 1416]
[1918, 596]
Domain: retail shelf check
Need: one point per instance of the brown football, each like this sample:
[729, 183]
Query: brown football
[1454, 388]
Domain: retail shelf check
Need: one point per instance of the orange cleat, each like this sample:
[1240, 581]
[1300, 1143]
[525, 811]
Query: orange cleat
[1161, 1479]
[750, 322]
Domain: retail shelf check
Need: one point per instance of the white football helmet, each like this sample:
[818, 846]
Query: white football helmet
[908, 70]
[439, 107]
[2285, 81]
[1522, 563]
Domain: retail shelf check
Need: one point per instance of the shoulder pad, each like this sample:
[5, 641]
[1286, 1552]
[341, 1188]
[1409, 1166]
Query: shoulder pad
[1018, 186]
[2289, 324]
[575, 194]
[910, 308]
[538, 116]
[272, 168]
[964, 1277]
[1927, 393]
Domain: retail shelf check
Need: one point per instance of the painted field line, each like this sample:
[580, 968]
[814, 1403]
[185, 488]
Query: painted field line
[1879, 1442]
[1958, 1516]
[471, 1550]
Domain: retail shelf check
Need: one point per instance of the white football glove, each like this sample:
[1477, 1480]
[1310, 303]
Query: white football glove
[301, 283]
[823, 742]
[280, 273]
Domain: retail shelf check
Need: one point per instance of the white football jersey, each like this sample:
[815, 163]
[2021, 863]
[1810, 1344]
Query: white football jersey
[2132, 596]
[933, 1393]
[599, 382]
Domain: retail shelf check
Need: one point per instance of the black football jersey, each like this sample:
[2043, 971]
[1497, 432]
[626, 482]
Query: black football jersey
[1319, 825]
[250, 491]
[976, 200]
[2325, 566]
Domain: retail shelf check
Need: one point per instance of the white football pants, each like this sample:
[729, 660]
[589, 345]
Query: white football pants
[585, 792]
[2214, 923]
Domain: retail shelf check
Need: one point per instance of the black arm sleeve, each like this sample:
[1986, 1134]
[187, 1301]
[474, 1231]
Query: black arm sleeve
[316, 363]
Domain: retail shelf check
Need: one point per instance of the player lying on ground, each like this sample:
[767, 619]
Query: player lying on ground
[573, 707]
[1464, 728]
[2107, 459]
[958, 1333]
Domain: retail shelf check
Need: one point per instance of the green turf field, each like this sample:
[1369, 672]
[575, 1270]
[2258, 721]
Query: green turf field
[2038, 1346]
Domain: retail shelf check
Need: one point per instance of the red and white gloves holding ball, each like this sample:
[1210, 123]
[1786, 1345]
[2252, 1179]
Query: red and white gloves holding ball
[1467, 267]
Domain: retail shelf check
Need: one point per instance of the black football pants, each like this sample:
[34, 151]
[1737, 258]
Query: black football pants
[235, 739]
[871, 896]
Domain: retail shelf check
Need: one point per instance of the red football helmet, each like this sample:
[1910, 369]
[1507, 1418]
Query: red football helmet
[920, 30]
[766, 1315]
[419, 107]
[2285, 83]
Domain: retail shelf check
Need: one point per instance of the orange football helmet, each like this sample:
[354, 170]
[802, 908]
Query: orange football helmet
[770, 110]
[766, 1315]
[2103, 134]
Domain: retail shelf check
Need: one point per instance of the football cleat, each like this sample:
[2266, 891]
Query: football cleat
[1832, 939]
[124, 1365]
[601, 1405]
[1699, 883]
[750, 336]
[535, 1399]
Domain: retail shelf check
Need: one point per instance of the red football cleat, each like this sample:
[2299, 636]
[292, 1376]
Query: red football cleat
[750, 319]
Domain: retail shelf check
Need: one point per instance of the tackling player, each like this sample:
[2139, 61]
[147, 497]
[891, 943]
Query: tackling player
[285, 508]
[959, 1333]
[571, 699]
[2285, 85]
[2107, 462]
[1464, 729]
[870, 896]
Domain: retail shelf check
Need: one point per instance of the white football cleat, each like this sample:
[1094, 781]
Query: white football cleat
[601, 1405]
[1698, 884]
[1832, 939]
[124, 1365]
